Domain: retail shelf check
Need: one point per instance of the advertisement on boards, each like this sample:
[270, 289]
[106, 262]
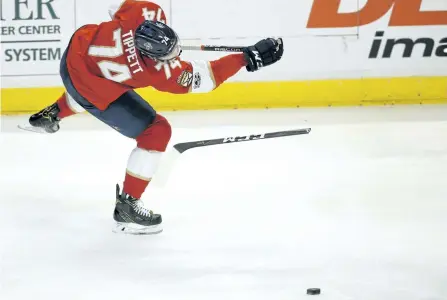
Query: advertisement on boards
[407, 15]
[34, 34]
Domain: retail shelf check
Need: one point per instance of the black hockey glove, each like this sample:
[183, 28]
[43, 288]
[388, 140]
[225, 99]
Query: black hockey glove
[263, 53]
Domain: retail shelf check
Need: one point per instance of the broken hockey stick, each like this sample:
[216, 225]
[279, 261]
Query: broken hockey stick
[219, 48]
[182, 147]
[171, 157]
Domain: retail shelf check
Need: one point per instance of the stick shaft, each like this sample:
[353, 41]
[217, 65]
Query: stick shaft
[220, 48]
[182, 147]
[214, 48]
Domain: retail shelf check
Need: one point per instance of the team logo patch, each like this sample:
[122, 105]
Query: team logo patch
[148, 46]
[185, 79]
[197, 80]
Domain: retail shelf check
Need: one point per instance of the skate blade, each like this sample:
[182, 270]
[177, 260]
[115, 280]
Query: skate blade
[32, 129]
[131, 228]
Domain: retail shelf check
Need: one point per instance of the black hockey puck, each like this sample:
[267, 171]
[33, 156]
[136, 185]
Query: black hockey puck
[313, 291]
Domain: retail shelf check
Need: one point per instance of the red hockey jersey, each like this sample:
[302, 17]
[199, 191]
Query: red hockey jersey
[103, 62]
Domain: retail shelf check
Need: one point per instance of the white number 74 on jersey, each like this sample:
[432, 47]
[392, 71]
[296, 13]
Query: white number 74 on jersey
[150, 15]
[121, 72]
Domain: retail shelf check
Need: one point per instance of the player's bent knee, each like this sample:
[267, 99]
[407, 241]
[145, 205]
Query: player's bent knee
[157, 136]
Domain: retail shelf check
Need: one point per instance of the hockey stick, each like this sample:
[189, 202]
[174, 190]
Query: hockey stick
[214, 48]
[171, 157]
[182, 147]
[219, 48]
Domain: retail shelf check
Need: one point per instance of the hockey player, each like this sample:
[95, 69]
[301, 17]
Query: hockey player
[102, 66]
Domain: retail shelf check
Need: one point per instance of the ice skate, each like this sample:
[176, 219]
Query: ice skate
[45, 121]
[133, 218]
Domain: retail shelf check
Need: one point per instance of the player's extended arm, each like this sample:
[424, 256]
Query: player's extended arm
[204, 76]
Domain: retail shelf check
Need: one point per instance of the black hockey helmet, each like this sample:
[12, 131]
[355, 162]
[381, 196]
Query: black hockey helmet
[157, 40]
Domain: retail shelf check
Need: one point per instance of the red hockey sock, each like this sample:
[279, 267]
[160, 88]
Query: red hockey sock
[144, 159]
[134, 186]
[65, 110]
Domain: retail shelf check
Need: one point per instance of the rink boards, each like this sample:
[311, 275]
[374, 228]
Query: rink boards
[238, 95]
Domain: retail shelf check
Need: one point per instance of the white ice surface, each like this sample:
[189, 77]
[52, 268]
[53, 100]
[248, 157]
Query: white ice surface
[357, 208]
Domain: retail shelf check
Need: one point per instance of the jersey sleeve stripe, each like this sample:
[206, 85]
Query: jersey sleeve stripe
[203, 77]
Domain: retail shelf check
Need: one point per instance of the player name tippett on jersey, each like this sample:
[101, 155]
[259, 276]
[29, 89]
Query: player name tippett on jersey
[132, 57]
